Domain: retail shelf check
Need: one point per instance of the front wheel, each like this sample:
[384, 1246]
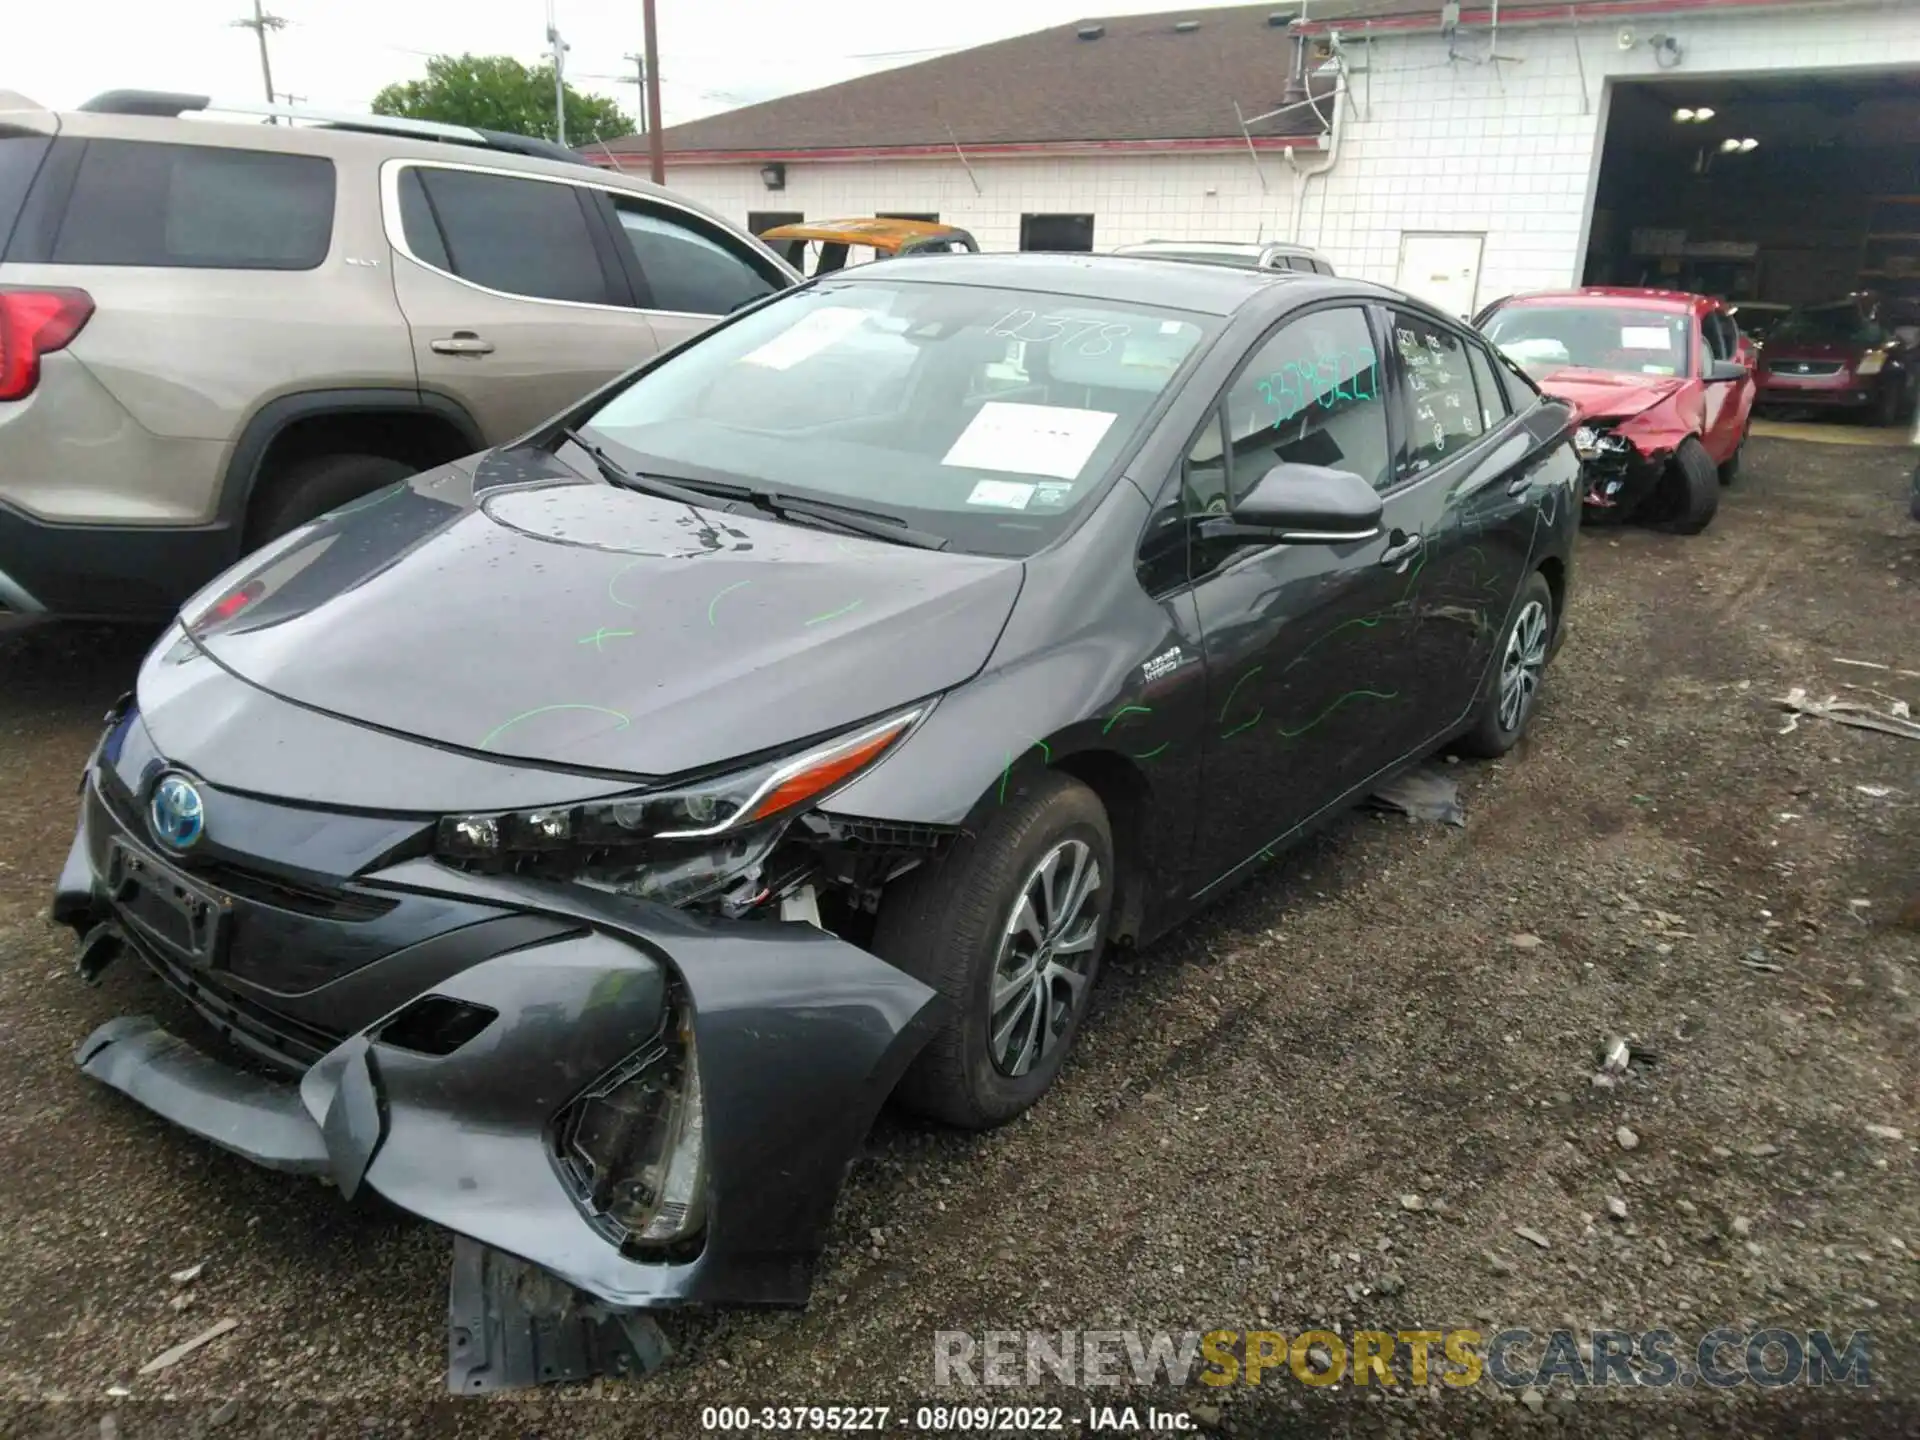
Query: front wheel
[1009, 925]
[1689, 493]
[1513, 689]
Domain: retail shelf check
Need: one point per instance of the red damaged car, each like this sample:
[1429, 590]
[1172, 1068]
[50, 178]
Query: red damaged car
[1661, 393]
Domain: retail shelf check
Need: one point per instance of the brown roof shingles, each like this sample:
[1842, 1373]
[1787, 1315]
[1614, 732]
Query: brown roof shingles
[1141, 80]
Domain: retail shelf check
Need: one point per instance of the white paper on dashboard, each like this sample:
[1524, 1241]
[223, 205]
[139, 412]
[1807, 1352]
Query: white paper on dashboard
[1644, 337]
[1001, 494]
[814, 333]
[1029, 439]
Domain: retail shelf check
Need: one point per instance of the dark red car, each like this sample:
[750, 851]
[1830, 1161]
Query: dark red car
[1839, 356]
[1661, 388]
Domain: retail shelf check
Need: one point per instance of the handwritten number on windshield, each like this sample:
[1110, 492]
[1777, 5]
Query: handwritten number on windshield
[1083, 337]
[1335, 376]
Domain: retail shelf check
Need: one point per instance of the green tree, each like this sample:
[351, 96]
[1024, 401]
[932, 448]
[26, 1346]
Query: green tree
[497, 92]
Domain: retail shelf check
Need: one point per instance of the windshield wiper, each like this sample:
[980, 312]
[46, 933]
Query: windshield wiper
[875, 523]
[616, 473]
[690, 491]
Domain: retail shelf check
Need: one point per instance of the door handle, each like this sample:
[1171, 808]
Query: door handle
[461, 342]
[1520, 485]
[1395, 553]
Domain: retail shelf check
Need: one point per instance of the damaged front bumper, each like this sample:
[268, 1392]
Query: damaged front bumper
[434, 1036]
[1615, 477]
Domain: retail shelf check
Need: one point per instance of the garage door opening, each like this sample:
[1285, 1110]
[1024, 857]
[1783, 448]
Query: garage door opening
[1776, 193]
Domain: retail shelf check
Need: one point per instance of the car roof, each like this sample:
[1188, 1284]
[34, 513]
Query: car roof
[1217, 247]
[1621, 296]
[881, 232]
[1204, 289]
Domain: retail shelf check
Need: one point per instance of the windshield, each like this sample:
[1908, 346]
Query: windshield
[1543, 338]
[1828, 325]
[985, 416]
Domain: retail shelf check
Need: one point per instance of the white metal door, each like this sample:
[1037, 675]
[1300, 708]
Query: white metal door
[1443, 270]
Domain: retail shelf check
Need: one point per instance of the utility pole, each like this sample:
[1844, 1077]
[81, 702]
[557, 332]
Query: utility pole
[639, 63]
[656, 150]
[260, 24]
[559, 83]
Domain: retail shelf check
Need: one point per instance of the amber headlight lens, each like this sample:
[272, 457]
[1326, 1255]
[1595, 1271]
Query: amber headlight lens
[703, 842]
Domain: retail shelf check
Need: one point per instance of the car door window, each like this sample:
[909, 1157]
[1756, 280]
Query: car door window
[1486, 384]
[1310, 394]
[523, 237]
[1438, 401]
[686, 269]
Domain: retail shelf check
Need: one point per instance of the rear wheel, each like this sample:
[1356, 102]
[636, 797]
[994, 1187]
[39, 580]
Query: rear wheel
[1519, 670]
[1009, 925]
[309, 489]
[1730, 471]
[1689, 493]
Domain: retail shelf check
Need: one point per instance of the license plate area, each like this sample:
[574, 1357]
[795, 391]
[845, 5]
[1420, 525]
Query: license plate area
[166, 909]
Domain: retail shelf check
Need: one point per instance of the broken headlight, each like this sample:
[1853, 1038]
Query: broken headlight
[675, 846]
[634, 1147]
[1591, 443]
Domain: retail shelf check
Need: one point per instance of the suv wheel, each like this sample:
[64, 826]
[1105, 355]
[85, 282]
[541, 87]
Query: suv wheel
[309, 489]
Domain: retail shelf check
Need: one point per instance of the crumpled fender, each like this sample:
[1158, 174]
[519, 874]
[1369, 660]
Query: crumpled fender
[801, 1037]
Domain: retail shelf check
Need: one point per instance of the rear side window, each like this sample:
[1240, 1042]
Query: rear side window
[688, 269]
[1442, 410]
[196, 207]
[1494, 405]
[523, 237]
[20, 157]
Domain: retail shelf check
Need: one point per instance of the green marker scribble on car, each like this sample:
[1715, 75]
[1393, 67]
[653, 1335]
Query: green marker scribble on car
[602, 634]
[836, 614]
[725, 591]
[1122, 713]
[367, 502]
[614, 579]
[1228, 704]
[1006, 773]
[1149, 754]
[1350, 695]
[506, 725]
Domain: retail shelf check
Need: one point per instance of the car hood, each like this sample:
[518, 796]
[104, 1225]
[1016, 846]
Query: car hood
[1606, 393]
[505, 605]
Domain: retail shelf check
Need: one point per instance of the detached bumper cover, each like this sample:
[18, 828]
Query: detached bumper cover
[800, 1038]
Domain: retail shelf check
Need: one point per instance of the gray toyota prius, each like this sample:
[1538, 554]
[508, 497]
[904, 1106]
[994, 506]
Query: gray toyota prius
[577, 844]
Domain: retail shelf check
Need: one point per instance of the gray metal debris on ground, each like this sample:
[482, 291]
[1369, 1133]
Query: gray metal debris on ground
[185, 1348]
[1895, 721]
[1422, 794]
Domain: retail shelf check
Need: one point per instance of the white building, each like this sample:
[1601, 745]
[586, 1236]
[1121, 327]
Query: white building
[1463, 151]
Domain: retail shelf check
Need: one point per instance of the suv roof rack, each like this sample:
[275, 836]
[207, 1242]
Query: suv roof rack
[166, 104]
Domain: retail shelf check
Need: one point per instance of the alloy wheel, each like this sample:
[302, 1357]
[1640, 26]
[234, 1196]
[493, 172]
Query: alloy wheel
[1046, 954]
[1523, 664]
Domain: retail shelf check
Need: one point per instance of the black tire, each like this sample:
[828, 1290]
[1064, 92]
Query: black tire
[1888, 407]
[1491, 734]
[1689, 493]
[309, 489]
[1730, 471]
[943, 924]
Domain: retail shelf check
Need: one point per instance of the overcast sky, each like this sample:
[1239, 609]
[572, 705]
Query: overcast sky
[714, 54]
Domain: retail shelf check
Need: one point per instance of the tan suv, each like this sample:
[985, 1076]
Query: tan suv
[213, 332]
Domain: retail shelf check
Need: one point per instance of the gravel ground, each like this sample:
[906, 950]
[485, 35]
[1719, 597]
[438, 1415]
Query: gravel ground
[1327, 1104]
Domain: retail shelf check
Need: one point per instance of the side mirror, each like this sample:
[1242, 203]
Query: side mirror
[1721, 371]
[1303, 505]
